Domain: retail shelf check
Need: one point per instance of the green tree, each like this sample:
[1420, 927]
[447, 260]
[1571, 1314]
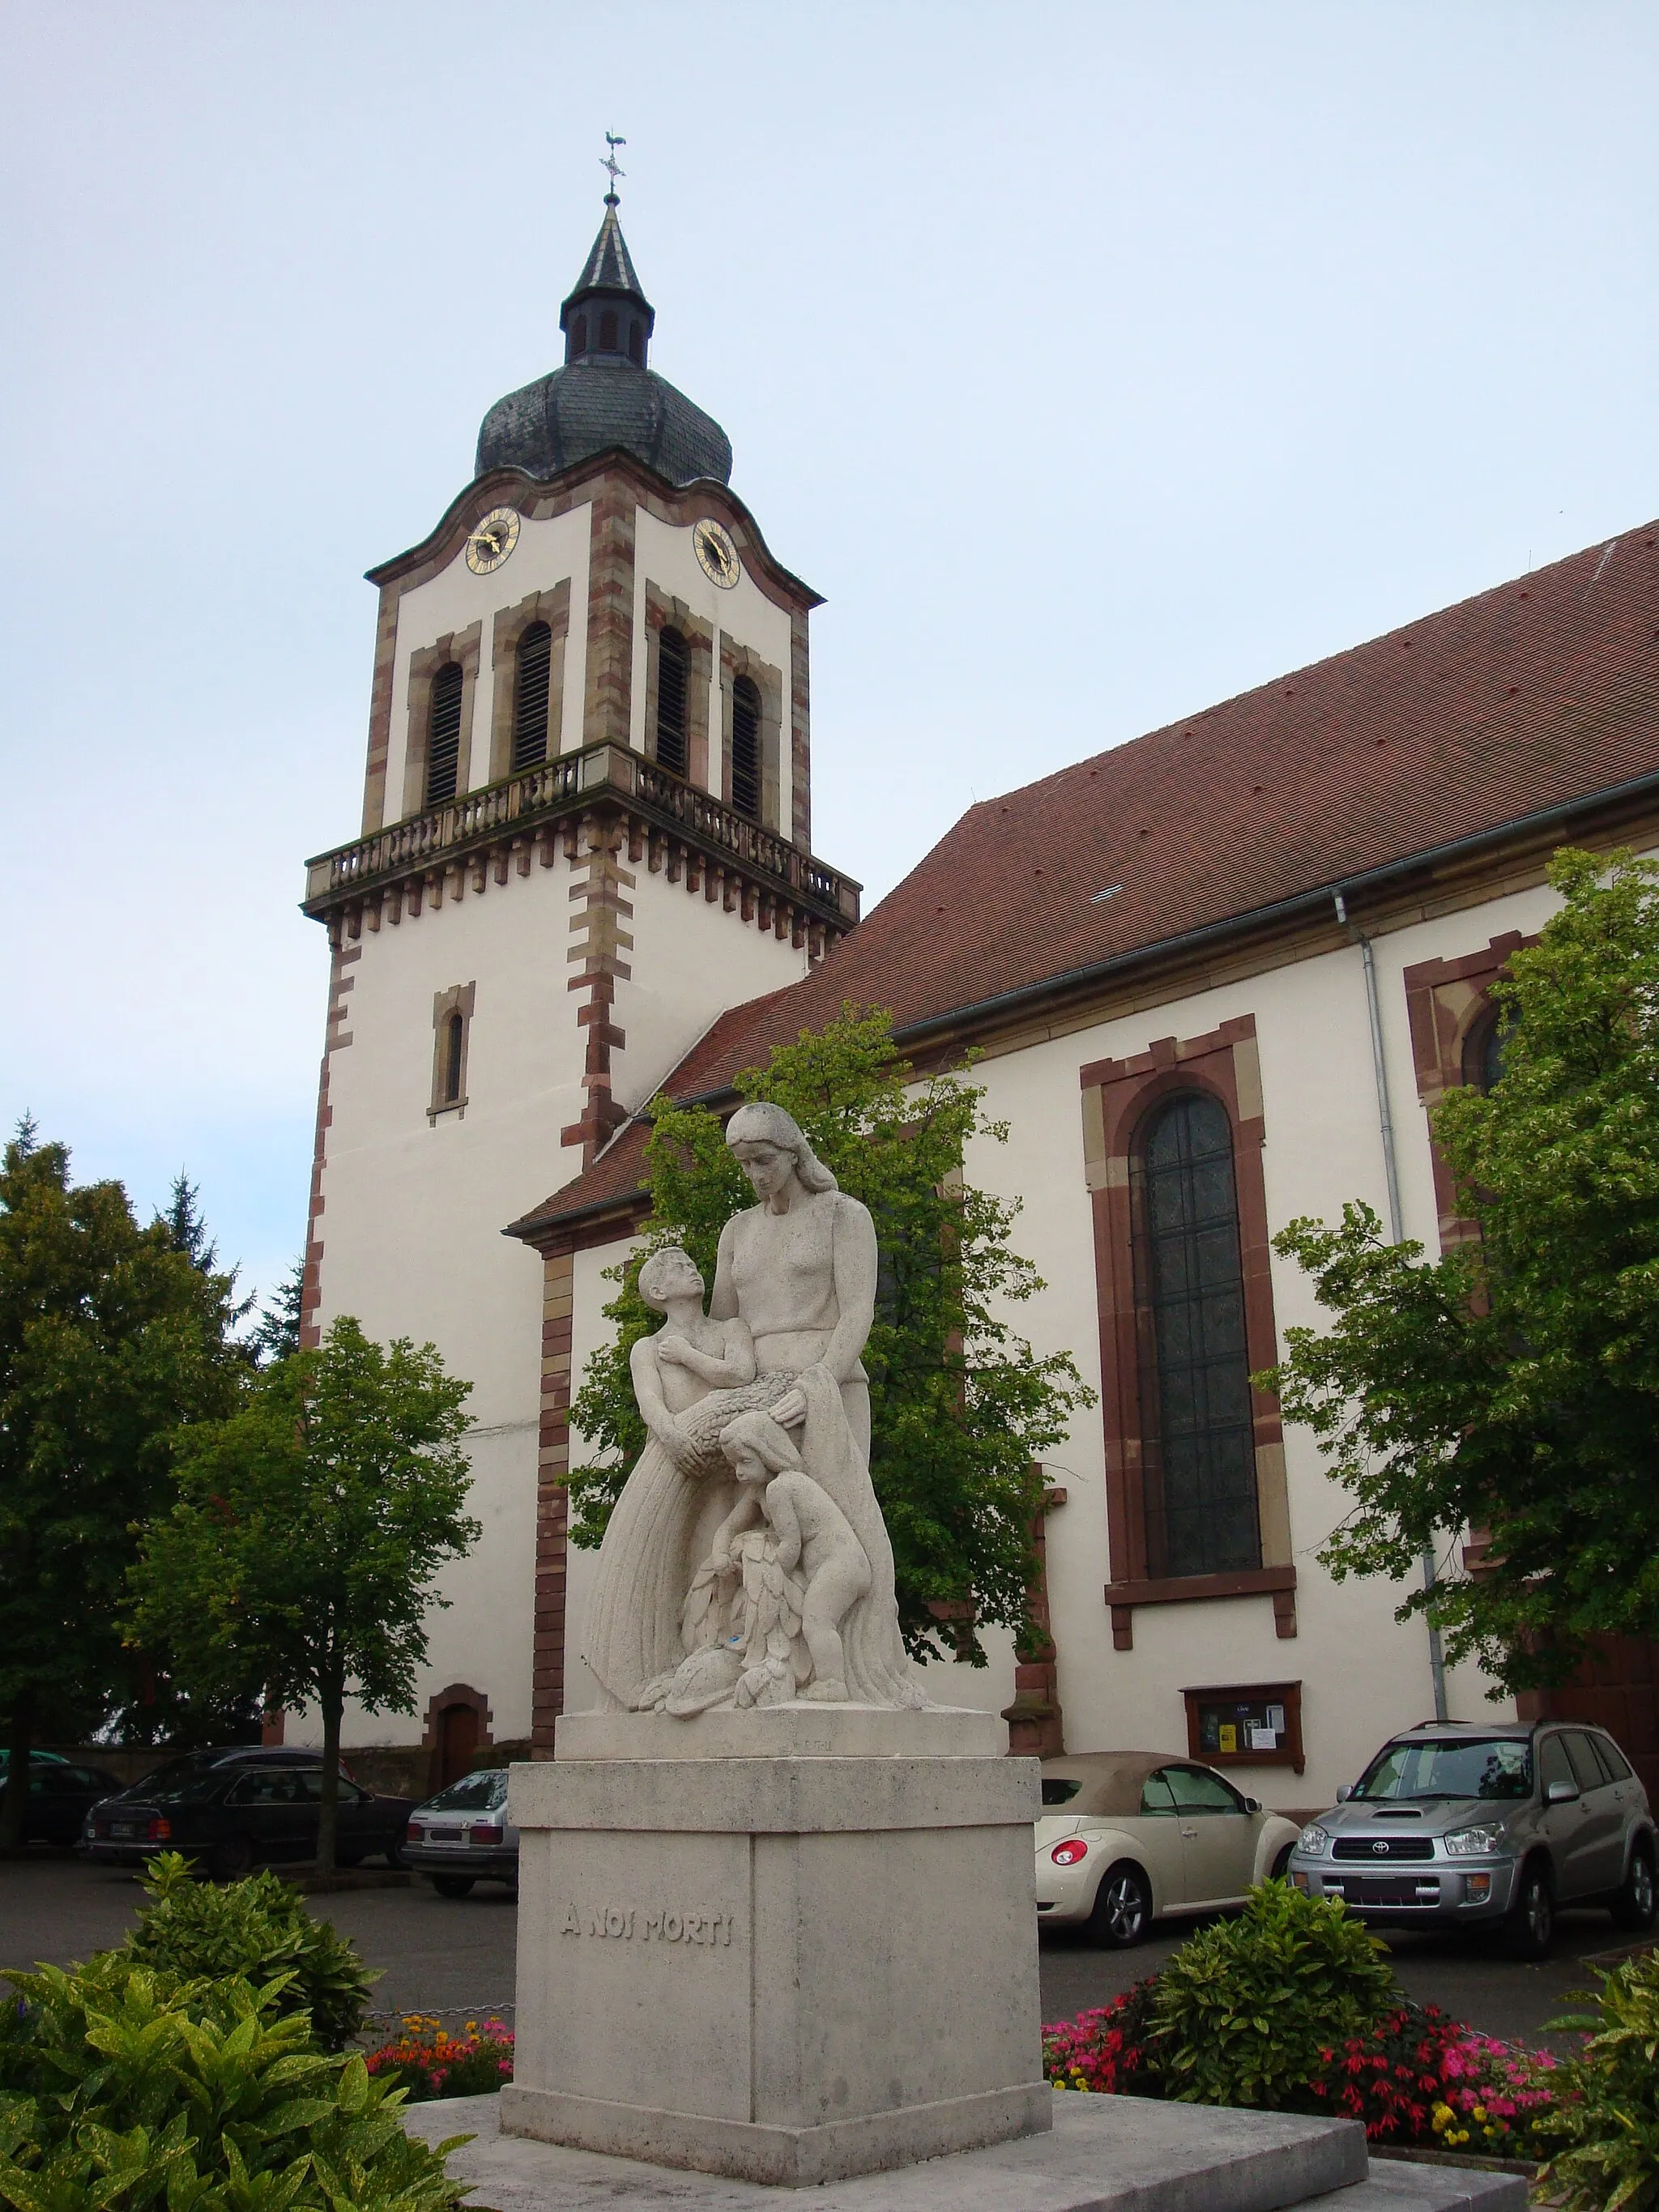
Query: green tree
[960, 1407]
[277, 1332]
[109, 1340]
[1512, 1385]
[309, 1525]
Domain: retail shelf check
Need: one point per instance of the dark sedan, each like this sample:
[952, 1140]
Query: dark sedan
[235, 1812]
[61, 1795]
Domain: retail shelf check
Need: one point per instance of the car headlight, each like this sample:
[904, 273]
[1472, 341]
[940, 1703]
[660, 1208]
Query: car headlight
[1472, 1843]
[1312, 1840]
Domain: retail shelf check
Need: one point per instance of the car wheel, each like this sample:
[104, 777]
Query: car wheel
[1122, 1913]
[1633, 1899]
[230, 1860]
[1531, 1920]
[452, 1885]
[1282, 1863]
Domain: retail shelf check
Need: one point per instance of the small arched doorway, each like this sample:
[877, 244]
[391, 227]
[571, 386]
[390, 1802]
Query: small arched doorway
[457, 1730]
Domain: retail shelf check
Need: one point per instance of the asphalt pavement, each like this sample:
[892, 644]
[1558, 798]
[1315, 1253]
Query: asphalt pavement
[456, 1955]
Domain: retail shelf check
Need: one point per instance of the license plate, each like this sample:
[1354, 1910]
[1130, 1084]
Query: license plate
[444, 1836]
[122, 1828]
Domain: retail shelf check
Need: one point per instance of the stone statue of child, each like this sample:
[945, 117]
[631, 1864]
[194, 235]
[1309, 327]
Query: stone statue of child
[814, 1539]
[700, 1354]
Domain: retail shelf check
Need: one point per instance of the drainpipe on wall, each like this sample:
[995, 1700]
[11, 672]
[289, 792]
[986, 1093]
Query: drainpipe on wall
[1396, 1226]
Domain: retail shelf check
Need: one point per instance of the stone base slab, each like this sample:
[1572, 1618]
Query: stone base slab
[781, 2157]
[1103, 2154]
[784, 1969]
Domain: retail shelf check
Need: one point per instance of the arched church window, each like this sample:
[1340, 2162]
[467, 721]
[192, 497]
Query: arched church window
[1483, 1050]
[455, 1046]
[673, 690]
[608, 330]
[578, 336]
[745, 748]
[636, 343]
[443, 743]
[1202, 1515]
[532, 685]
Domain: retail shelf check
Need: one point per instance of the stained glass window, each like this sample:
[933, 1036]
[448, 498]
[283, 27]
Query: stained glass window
[1200, 1472]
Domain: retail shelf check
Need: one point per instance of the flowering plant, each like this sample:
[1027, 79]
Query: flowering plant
[1105, 2051]
[1416, 2079]
[1422, 2079]
[432, 2063]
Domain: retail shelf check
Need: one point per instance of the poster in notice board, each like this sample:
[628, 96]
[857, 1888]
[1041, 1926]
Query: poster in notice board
[1259, 1723]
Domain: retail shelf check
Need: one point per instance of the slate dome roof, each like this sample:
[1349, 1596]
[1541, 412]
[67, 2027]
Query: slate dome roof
[580, 410]
[604, 394]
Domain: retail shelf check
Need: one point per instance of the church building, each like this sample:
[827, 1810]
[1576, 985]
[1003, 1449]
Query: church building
[1218, 976]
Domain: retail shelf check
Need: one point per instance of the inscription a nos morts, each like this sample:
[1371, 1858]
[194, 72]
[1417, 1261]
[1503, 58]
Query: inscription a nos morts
[629, 1925]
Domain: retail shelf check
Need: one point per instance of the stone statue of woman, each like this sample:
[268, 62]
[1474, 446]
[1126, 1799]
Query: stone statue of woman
[798, 1271]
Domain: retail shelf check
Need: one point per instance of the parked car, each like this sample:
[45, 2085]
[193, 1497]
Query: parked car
[1126, 1836]
[1458, 1824]
[463, 1835]
[232, 1809]
[61, 1795]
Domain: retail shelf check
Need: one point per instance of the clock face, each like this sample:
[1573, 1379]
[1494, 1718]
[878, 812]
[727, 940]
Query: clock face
[492, 541]
[716, 555]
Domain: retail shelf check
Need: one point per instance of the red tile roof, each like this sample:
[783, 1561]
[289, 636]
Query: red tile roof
[1532, 696]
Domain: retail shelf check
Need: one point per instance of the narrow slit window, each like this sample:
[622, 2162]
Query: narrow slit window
[578, 336]
[1202, 1515]
[746, 748]
[673, 689]
[443, 747]
[636, 344]
[533, 683]
[455, 1046]
[608, 330]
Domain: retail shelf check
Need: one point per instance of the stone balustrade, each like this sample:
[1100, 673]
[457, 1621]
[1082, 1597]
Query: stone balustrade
[477, 830]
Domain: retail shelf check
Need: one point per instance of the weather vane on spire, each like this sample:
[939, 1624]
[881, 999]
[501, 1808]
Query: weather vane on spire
[612, 165]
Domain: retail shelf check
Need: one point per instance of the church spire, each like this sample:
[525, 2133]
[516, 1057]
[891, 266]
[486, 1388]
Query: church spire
[607, 317]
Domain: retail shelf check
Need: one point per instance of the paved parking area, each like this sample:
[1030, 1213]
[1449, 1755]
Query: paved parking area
[441, 1954]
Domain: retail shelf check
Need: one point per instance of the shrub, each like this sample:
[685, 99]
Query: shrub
[1105, 2051]
[258, 1928]
[1606, 2115]
[429, 2061]
[1246, 2009]
[125, 2086]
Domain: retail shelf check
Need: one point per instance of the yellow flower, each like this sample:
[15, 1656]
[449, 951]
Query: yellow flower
[1481, 2112]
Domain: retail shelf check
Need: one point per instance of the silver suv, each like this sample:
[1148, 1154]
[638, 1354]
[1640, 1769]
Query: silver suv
[1458, 1824]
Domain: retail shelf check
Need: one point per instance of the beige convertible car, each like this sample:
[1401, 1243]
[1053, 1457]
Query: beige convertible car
[1128, 1836]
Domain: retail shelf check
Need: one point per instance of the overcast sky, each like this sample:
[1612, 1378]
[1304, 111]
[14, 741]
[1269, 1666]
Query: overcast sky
[1096, 363]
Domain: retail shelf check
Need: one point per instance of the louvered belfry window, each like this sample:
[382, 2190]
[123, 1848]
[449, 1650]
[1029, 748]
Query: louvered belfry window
[443, 743]
[746, 749]
[532, 685]
[673, 688]
[1198, 1456]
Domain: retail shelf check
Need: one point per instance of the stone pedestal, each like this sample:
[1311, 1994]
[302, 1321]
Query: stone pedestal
[813, 1960]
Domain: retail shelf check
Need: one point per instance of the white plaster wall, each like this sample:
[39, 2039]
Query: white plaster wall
[411, 1225]
[1363, 1675]
[663, 555]
[547, 551]
[690, 961]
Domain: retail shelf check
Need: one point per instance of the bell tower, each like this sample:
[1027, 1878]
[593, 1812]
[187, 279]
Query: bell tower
[586, 833]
